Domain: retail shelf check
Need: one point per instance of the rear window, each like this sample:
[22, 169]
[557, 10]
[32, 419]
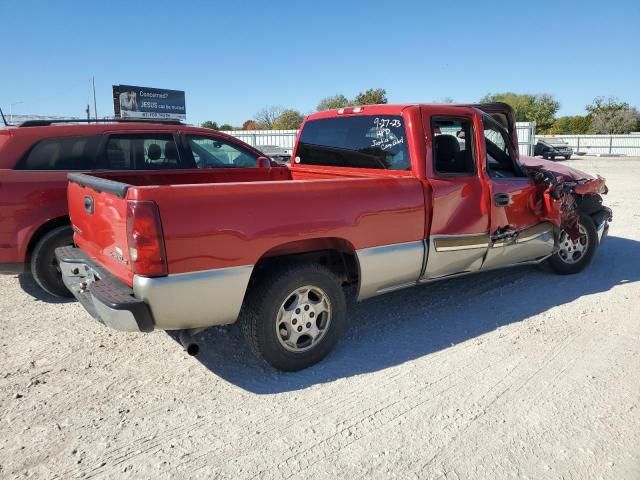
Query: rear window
[367, 141]
[62, 153]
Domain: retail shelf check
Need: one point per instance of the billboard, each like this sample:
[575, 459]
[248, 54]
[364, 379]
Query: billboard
[130, 101]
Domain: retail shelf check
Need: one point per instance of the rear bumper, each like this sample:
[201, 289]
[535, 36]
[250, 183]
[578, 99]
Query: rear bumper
[174, 302]
[106, 298]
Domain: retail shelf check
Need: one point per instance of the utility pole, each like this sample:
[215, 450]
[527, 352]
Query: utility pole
[95, 109]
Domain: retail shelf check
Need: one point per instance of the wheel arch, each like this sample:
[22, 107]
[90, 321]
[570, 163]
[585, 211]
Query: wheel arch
[42, 230]
[337, 254]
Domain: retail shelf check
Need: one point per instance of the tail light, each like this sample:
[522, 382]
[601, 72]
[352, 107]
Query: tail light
[144, 236]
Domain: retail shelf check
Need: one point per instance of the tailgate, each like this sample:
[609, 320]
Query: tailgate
[98, 211]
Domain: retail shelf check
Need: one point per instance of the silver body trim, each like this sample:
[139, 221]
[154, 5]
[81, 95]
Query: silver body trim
[533, 243]
[194, 300]
[389, 267]
[452, 254]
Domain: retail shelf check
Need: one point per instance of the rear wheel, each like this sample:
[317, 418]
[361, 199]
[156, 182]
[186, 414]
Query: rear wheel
[567, 157]
[44, 265]
[293, 318]
[574, 255]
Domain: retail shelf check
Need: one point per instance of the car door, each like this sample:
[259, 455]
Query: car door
[36, 188]
[459, 231]
[516, 233]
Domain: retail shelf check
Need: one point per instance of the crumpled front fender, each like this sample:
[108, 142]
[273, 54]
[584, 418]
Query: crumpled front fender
[556, 197]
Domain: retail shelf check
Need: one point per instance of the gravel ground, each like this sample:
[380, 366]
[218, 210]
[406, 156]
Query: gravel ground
[512, 374]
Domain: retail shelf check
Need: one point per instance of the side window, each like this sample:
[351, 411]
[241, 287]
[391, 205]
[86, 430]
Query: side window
[141, 152]
[499, 157]
[209, 152]
[452, 146]
[62, 153]
[363, 141]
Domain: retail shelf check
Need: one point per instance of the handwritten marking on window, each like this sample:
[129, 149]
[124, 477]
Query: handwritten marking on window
[385, 138]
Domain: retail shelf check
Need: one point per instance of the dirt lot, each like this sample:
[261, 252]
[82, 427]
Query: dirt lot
[511, 374]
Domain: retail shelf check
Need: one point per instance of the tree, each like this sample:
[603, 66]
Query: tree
[611, 116]
[571, 125]
[249, 125]
[226, 127]
[210, 124]
[540, 108]
[373, 96]
[288, 120]
[329, 103]
[266, 117]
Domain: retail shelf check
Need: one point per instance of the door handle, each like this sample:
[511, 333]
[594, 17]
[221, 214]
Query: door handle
[501, 199]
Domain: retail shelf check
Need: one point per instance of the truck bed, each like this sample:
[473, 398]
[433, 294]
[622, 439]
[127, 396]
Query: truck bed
[232, 217]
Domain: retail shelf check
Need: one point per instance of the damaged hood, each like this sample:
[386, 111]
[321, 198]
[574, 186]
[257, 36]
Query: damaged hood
[557, 168]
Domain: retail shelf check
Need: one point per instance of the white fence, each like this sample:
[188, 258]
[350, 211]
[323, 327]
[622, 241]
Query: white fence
[287, 138]
[280, 138]
[526, 137]
[602, 144]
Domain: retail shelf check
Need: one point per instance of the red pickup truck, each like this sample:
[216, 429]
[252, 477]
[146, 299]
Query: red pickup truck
[377, 198]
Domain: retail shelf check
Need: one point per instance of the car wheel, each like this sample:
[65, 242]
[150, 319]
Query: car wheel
[44, 265]
[552, 157]
[293, 317]
[573, 256]
[567, 157]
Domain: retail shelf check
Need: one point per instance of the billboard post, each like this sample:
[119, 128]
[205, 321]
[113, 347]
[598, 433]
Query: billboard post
[130, 101]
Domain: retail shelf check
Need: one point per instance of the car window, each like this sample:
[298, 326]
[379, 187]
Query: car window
[500, 162]
[61, 153]
[209, 152]
[367, 141]
[141, 152]
[452, 146]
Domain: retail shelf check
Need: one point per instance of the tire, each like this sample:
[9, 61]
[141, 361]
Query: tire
[44, 266]
[565, 261]
[567, 157]
[552, 158]
[269, 301]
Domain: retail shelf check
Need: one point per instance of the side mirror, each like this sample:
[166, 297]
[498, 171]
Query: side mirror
[263, 162]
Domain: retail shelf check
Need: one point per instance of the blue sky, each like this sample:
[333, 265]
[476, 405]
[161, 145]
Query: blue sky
[233, 58]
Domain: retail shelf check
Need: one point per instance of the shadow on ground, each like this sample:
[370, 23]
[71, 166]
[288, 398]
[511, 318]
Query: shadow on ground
[398, 327]
[29, 285]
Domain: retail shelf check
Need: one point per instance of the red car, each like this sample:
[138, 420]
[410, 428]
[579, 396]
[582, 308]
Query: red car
[36, 156]
[377, 198]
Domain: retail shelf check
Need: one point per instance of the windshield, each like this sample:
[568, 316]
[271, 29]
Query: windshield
[555, 141]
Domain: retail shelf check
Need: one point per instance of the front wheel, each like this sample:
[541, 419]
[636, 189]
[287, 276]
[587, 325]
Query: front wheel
[293, 317]
[574, 255]
[567, 157]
